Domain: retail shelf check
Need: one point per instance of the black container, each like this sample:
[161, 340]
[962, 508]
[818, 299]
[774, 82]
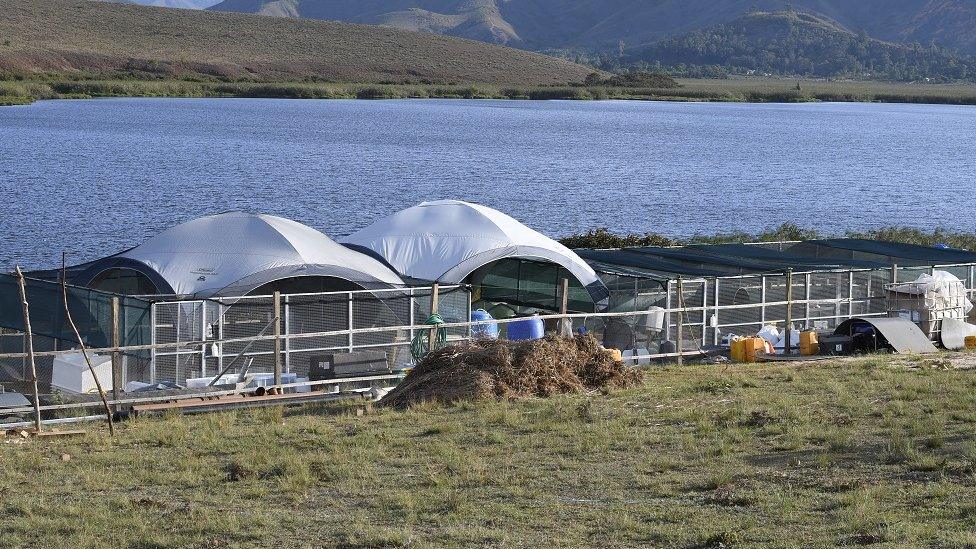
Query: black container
[343, 365]
[836, 345]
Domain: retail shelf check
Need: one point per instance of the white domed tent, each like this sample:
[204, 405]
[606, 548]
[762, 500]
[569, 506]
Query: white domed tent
[234, 254]
[448, 241]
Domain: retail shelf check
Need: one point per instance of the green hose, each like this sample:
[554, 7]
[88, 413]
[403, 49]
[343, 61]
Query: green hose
[419, 345]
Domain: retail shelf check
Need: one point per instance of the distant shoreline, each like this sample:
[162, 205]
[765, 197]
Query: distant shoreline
[743, 90]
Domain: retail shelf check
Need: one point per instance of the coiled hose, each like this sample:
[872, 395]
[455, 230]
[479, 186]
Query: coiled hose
[419, 347]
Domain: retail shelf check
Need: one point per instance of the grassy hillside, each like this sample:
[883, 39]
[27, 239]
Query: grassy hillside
[793, 43]
[596, 25]
[182, 4]
[83, 39]
[877, 450]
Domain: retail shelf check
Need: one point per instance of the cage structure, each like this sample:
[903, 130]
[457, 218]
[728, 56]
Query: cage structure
[715, 291]
[310, 325]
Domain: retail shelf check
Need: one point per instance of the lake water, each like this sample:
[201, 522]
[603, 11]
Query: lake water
[95, 177]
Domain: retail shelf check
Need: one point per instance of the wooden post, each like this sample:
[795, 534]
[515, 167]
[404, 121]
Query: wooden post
[564, 306]
[894, 274]
[681, 322]
[434, 298]
[277, 340]
[29, 344]
[116, 354]
[788, 331]
[81, 343]
[564, 326]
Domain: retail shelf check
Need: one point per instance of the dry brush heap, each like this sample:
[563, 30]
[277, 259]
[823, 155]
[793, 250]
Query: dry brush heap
[492, 369]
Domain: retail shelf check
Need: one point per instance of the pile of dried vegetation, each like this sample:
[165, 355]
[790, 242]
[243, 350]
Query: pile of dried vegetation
[491, 369]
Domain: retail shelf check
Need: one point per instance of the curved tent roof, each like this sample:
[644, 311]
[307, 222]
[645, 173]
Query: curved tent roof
[447, 240]
[233, 253]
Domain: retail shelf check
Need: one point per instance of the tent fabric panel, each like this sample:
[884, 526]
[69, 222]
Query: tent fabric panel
[232, 252]
[924, 254]
[447, 240]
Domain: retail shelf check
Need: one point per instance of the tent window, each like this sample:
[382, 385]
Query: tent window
[306, 285]
[528, 285]
[124, 281]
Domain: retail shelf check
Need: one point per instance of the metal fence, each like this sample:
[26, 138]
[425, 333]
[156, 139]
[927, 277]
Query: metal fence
[709, 309]
[201, 338]
[219, 329]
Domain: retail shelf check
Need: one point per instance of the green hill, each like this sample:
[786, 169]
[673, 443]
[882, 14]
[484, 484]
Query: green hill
[84, 39]
[790, 43]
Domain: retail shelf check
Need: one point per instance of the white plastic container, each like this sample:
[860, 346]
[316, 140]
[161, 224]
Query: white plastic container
[201, 382]
[71, 373]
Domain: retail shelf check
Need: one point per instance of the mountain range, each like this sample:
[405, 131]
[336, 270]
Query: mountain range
[623, 24]
[792, 43]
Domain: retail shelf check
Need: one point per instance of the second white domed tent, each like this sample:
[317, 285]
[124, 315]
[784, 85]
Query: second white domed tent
[235, 254]
[451, 241]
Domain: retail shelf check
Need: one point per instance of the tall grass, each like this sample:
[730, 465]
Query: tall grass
[756, 91]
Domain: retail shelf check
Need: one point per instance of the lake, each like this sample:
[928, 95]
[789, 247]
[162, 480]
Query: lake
[94, 177]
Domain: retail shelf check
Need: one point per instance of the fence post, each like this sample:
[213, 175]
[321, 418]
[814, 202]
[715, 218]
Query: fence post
[220, 337]
[564, 306]
[81, 345]
[715, 330]
[788, 345]
[762, 298]
[808, 282]
[667, 315]
[152, 340]
[434, 298]
[116, 354]
[203, 337]
[277, 340]
[29, 335]
[349, 313]
[564, 326]
[287, 306]
[850, 294]
[681, 322]
[894, 274]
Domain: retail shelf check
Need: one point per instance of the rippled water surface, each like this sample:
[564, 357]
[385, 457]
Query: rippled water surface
[95, 177]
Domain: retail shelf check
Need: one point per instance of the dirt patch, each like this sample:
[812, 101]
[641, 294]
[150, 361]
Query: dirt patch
[491, 369]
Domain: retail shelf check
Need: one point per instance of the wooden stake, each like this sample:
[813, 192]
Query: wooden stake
[277, 340]
[434, 298]
[564, 327]
[116, 355]
[81, 343]
[28, 334]
[564, 307]
[788, 332]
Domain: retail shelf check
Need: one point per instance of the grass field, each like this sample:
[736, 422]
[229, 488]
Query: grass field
[784, 89]
[854, 452]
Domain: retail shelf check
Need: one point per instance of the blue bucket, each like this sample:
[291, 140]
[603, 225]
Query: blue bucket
[484, 331]
[525, 330]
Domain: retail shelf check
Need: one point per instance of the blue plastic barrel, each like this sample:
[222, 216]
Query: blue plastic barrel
[527, 329]
[486, 331]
